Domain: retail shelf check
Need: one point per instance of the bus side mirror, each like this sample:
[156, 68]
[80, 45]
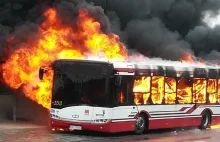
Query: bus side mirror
[118, 80]
[41, 73]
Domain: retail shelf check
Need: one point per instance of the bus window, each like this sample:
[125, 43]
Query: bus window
[218, 91]
[212, 90]
[157, 89]
[184, 91]
[141, 90]
[199, 90]
[170, 90]
[122, 95]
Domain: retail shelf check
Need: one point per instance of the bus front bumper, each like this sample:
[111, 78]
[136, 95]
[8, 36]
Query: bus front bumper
[109, 127]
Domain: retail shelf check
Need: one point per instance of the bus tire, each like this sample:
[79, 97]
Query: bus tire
[140, 125]
[206, 120]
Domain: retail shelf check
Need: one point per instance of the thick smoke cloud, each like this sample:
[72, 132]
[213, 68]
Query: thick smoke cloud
[68, 10]
[181, 26]
[153, 27]
[148, 35]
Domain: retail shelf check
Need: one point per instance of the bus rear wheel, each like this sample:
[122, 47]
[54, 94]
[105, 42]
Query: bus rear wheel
[205, 122]
[140, 125]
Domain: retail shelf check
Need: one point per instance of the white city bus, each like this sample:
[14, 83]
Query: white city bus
[125, 96]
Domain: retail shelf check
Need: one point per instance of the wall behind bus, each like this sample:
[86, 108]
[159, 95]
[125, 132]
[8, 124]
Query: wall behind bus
[6, 106]
[26, 110]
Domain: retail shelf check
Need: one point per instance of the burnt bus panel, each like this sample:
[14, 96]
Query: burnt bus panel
[170, 72]
[159, 71]
[213, 74]
[219, 73]
[200, 73]
[144, 70]
[185, 74]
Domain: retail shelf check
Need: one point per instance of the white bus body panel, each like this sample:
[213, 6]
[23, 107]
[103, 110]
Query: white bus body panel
[81, 113]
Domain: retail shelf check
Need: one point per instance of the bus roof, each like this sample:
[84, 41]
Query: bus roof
[148, 64]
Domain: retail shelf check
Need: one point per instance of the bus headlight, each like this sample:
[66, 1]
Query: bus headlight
[99, 121]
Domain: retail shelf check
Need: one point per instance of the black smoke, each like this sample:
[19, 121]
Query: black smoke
[169, 28]
[157, 28]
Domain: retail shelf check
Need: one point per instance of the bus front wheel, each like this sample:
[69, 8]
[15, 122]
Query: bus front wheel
[205, 122]
[140, 125]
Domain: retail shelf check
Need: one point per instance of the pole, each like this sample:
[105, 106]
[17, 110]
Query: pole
[14, 107]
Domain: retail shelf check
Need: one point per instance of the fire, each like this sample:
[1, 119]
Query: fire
[57, 41]
[215, 126]
[189, 59]
[141, 90]
[212, 90]
[199, 90]
[218, 93]
[157, 89]
[184, 91]
[170, 90]
[121, 97]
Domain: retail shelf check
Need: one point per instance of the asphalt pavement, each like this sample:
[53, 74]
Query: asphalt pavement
[24, 132]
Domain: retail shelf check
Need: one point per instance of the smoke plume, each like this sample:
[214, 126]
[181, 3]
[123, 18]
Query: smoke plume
[168, 29]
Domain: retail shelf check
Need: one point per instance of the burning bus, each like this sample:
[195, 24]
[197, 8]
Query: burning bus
[126, 96]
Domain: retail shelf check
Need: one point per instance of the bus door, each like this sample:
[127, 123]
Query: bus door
[124, 99]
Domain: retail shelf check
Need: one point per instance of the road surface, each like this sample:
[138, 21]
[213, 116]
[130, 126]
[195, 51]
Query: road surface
[27, 132]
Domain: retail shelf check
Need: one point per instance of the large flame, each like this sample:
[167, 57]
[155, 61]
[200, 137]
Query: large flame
[141, 90]
[188, 58]
[57, 41]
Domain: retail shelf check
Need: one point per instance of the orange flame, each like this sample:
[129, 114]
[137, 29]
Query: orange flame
[170, 90]
[57, 41]
[141, 90]
[212, 90]
[158, 90]
[199, 90]
[188, 59]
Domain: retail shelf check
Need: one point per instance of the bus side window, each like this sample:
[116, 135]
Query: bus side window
[157, 89]
[199, 90]
[212, 91]
[170, 90]
[184, 91]
[141, 89]
[218, 95]
[123, 93]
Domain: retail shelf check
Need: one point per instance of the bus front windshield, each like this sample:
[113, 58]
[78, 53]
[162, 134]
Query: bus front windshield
[85, 91]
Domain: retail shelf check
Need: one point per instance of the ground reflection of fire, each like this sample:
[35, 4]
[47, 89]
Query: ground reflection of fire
[158, 90]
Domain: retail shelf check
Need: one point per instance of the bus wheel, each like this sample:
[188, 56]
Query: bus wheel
[205, 120]
[140, 124]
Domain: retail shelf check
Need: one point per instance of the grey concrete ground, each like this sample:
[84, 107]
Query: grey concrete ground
[24, 132]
